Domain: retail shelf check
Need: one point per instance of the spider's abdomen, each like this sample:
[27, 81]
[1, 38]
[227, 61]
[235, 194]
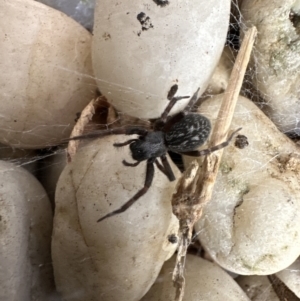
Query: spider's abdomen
[188, 133]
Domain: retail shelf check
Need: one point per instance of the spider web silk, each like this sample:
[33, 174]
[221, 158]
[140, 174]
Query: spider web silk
[47, 164]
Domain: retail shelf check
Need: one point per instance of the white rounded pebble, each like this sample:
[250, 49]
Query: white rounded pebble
[142, 48]
[276, 58]
[120, 257]
[251, 225]
[204, 281]
[46, 74]
[25, 225]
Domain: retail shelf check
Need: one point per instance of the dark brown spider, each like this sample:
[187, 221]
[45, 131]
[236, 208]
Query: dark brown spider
[182, 133]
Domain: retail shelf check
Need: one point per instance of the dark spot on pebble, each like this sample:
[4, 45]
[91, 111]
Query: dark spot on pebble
[241, 141]
[161, 3]
[145, 22]
[172, 238]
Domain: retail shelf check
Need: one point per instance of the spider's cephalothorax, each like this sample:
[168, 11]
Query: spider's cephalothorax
[182, 133]
[151, 145]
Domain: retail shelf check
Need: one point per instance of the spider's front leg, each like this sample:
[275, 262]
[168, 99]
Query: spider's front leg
[126, 130]
[141, 192]
[131, 164]
[124, 144]
[173, 100]
[160, 123]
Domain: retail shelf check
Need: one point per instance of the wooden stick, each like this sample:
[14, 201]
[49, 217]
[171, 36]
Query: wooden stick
[233, 90]
[85, 116]
[195, 187]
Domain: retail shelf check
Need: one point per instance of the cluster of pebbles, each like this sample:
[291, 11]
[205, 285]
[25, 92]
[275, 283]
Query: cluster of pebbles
[52, 247]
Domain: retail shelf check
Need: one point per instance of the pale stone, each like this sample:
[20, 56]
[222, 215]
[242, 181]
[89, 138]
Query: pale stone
[276, 58]
[120, 257]
[251, 225]
[141, 49]
[25, 226]
[204, 281]
[46, 74]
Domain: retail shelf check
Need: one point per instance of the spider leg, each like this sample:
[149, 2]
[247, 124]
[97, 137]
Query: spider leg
[131, 164]
[172, 92]
[127, 130]
[173, 100]
[211, 149]
[125, 143]
[192, 102]
[176, 118]
[169, 107]
[165, 168]
[141, 192]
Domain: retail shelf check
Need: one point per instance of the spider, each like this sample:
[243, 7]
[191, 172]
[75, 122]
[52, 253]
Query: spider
[182, 133]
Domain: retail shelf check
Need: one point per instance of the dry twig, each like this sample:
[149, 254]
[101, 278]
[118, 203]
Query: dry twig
[86, 116]
[97, 115]
[195, 187]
